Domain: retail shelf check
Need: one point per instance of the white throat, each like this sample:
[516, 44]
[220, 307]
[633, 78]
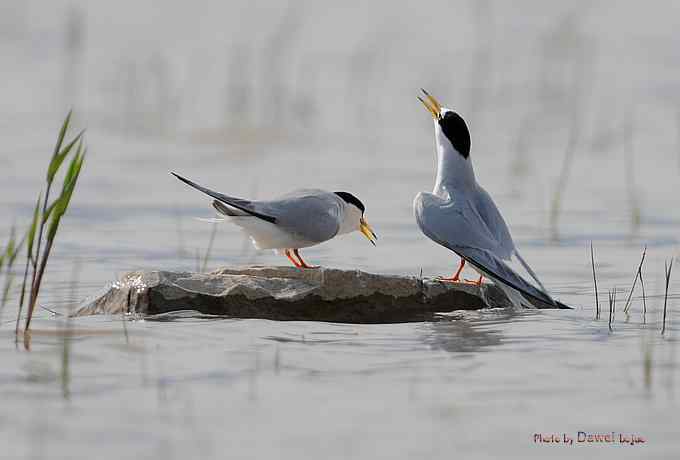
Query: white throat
[351, 215]
[453, 170]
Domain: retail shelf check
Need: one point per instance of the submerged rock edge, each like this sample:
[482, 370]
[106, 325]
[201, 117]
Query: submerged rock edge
[288, 293]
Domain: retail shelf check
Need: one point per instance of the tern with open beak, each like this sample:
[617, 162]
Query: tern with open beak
[299, 219]
[461, 216]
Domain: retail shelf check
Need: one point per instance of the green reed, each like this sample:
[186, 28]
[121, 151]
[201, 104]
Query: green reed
[7, 258]
[41, 234]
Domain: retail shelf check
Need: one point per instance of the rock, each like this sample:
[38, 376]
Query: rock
[288, 293]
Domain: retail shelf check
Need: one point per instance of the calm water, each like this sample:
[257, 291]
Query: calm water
[254, 100]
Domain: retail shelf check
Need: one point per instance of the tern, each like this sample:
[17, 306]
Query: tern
[299, 219]
[461, 216]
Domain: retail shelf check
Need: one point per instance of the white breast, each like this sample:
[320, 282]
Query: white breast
[266, 235]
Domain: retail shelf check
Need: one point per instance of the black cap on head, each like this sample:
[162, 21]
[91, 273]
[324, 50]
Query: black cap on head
[456, 131]
[349, 198]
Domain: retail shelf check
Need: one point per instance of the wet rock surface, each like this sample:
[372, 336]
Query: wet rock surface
[288, 293]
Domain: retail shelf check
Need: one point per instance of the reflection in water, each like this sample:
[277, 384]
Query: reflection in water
[468, 332]
[184, 316]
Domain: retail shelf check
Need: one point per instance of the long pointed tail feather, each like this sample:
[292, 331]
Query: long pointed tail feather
[228, 200]
[532, 274]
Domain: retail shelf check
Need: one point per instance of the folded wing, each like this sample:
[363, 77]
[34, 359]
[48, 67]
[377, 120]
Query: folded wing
[457, 227]
[313, 214]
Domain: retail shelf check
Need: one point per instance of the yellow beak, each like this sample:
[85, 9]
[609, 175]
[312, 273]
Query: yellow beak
[367, 231]
[431, 104]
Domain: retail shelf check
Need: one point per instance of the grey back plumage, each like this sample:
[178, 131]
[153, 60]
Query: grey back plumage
[312, 214]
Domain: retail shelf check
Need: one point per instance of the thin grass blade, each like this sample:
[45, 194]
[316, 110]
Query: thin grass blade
[62, 133]
[61, 204]
[638, 273]
[9, 279]
[29, 259]
[59, 158]
[668, 269]
[11, 252]
[34, 226]
[597, 299]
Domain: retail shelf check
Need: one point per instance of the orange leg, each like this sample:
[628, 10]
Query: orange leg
[295, 262]
[303, 264]
[456, 277]
[476, 282]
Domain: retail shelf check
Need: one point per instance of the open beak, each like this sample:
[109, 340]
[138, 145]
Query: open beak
[431, 104]
[367, 231]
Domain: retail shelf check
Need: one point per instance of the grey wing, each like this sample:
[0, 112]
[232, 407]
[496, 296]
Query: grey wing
[489, 213]
[452, 223]
[494, 223]
[314, 215]
[457, 229]
[306, 193]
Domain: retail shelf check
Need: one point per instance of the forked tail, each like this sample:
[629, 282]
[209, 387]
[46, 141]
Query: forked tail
[533, 275]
